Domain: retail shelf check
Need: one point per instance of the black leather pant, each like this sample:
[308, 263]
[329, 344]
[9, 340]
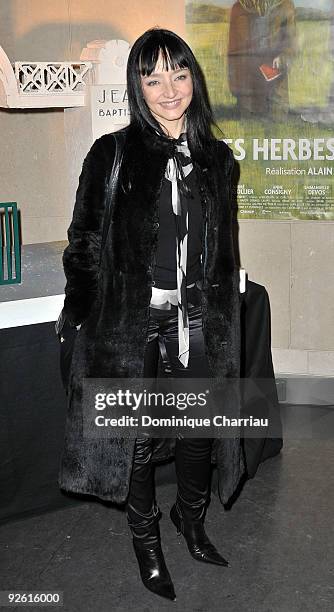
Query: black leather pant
[192, 455]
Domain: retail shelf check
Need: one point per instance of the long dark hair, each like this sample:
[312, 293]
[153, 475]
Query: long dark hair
[175, 54]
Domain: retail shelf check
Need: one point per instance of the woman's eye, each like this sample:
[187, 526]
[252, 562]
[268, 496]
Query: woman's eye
[182, 77]
[149, 83]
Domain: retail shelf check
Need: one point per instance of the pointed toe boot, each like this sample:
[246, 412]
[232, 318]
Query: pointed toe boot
[197, 541]
[143, 517]
[152, 567]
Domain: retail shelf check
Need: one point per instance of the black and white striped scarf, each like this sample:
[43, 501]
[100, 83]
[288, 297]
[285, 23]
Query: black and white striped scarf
[178, 168]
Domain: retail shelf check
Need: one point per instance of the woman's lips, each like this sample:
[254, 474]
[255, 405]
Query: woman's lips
[171, 104]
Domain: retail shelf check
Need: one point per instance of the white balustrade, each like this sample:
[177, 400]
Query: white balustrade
[47, 77]
[42, 84]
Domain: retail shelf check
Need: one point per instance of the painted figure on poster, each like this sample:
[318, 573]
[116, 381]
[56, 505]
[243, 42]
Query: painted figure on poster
[325, 115]
[262, 42]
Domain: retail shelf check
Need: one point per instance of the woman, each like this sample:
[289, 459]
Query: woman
[167, 280]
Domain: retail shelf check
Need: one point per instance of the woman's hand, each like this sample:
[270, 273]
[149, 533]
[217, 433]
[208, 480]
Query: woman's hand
[277, 62]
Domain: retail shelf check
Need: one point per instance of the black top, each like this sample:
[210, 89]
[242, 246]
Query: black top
[165, 268]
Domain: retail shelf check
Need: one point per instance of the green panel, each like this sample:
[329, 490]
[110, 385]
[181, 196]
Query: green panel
[10, 251]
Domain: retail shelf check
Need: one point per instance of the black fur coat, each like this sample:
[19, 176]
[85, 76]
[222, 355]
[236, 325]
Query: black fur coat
[113, 300]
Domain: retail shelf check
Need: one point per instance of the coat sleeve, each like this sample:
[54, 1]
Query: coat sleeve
[233, 177]
[82, 255]
[233, 174]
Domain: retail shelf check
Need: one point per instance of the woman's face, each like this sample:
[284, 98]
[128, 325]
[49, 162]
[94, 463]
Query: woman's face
[167, 94]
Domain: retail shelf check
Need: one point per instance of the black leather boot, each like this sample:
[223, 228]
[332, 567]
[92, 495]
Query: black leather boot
[193, 467]
[152, 566]
[193, 531]
[143, 517]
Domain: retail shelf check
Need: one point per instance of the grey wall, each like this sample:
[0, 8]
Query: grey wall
[295, 262]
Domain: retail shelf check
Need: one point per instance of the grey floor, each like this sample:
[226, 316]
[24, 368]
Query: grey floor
[278, 538]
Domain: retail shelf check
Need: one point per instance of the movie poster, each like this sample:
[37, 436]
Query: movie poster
[269, 67]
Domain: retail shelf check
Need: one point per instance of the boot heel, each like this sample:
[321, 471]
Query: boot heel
[175, 518]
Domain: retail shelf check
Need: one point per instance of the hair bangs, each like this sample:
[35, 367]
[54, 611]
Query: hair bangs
[170, 57]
